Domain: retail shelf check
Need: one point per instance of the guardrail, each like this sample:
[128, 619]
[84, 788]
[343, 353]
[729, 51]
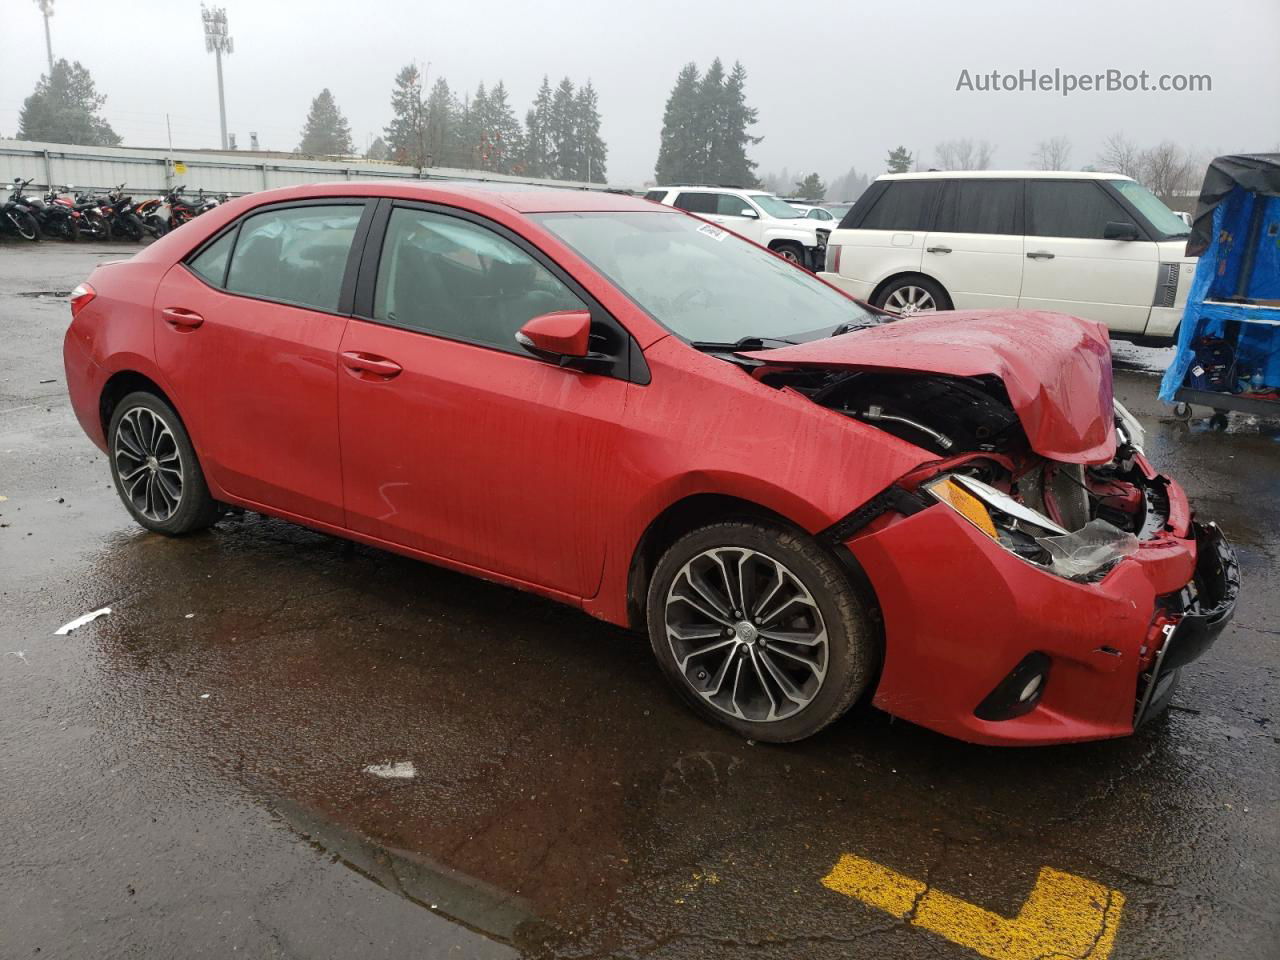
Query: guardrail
[233, 172]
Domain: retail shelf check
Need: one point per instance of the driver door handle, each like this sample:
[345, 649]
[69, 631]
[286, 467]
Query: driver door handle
[181, 318]
[367, 366]
[937, 250]
[1039, 255]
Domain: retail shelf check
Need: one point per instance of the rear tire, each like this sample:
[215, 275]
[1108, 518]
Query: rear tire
[800, 649]
[155, 468]
[26, 226]
[912, 295]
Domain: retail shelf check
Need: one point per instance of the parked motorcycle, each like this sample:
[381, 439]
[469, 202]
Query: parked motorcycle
[92, 223]
[121, 216]
[56, 217]
[16, 215]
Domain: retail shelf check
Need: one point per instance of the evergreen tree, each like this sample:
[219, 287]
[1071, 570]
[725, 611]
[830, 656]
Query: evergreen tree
[735, 118]
[538, 149]
[505, 135]
[811, 188]
[326, 132]
[568, 159]
[681, 156]
[474, 129]
[443, 146]
[595, 153]
[711, 116]
[406, 135]
[64, 109]
[899, 160]
[377, 151]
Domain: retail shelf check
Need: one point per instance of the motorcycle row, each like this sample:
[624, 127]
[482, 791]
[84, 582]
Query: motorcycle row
[66, 214]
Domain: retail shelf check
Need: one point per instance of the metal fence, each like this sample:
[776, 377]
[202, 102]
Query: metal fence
[233, 172]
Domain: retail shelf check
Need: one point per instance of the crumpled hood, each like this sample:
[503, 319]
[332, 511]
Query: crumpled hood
[1056, 368]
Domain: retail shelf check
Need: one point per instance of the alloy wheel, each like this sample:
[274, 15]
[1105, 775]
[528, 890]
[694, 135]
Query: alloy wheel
[907, 301]
[746, 634]
[148, 463]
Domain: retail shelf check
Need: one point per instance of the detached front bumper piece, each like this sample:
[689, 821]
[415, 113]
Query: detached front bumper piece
[1204, 608]
[969, 626]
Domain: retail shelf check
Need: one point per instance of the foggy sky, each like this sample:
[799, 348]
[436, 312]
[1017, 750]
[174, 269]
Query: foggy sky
[841, 87]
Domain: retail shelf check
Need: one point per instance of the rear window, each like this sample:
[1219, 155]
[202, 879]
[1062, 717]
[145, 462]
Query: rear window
[904, 205]
[1070, 208]
[697, 202]
[211, 263]
[979, 206]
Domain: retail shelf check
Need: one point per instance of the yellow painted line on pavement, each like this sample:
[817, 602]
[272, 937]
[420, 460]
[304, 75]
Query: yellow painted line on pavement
[1064, 917]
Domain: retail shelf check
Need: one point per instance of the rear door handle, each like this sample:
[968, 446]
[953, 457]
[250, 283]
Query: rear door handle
[937, 249]
[1039, 255]
[181, 318]
[367, 366]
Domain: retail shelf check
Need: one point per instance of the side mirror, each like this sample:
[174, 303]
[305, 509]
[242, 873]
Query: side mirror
[1119, 230]
[557, 337]
[748, 212]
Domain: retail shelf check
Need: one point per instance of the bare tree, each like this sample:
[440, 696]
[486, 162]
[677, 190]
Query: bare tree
[1121, 155]
[1167, 171]
[964, 154]
[1052, 154]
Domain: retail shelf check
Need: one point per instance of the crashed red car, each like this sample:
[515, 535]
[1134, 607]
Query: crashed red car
[625, 408]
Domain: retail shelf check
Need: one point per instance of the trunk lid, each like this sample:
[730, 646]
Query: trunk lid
[1055, 368]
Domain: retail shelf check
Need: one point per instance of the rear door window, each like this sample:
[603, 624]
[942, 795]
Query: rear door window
[211, 262]
[979, 206]
[296, 255]
[697, 202]
[904, 205]
[1070, 208]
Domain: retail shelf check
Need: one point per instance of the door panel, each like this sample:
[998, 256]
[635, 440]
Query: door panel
[257, 382]
[483, 457]
[1070, 267]
[975, 248]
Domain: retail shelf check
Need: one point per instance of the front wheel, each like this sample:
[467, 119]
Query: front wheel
[25, 225]
[912, 295]
[759, 629]
[155, 468]
[790, 251]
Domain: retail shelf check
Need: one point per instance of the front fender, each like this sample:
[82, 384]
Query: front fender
[802, 237]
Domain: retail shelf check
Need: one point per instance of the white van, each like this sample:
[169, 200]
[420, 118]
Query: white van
[1094, 245]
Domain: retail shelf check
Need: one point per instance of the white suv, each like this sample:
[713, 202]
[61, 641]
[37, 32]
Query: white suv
[756, 215]
[1094, 245]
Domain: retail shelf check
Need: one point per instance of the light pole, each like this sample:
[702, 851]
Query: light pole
[217, 41]
[46, 7]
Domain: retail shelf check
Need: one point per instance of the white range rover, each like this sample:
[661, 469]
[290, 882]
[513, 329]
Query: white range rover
[1094, 245]
[767, 219]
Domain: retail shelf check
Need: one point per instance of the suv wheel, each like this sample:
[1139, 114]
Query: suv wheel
[155, 469]
[790, 251]
[908, 296]
[759, 629]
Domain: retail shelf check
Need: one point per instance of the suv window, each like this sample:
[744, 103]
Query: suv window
[658, 195]
[697, 202]
[904, 205]
[296, 255]
[1070, 208]
[727, 205]
[211, 264]
[450, 277]
[979, 206]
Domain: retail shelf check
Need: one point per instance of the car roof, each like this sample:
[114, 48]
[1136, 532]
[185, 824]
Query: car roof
[514, 196]
[1004, 175]
[703, 188]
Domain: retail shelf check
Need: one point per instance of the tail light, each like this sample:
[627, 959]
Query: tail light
[833, 258]
[80, 298]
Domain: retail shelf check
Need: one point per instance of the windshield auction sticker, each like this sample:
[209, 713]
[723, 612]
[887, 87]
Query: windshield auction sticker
[715, 233]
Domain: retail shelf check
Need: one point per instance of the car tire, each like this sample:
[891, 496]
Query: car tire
[694, 650]
[155, 468]
[790, 251]
[912, 295]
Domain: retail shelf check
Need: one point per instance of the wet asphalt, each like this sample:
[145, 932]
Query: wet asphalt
[185, 777]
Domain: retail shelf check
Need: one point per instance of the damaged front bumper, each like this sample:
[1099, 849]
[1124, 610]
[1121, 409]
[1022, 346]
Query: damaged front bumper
[961, 615]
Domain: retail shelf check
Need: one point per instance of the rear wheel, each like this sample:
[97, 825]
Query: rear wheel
[25, 225]
[759, 629]
[155, 468]
[911, 295]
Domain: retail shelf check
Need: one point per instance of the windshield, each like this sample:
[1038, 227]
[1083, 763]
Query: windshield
[775, 207]
[703, 283]
[1164, 220]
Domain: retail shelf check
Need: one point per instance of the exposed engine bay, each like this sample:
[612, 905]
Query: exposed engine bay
[1073, 519]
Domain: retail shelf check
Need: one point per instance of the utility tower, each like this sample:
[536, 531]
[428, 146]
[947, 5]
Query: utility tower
[217, 41]
[46, 7]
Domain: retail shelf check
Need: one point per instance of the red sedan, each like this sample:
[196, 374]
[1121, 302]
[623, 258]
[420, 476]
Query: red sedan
[623, 407]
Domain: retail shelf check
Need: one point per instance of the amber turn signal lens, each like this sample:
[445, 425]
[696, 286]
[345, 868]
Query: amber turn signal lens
[964, 503]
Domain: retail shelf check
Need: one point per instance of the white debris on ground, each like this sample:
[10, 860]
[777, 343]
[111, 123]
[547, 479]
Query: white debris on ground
[400, 770]
[80, 621]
